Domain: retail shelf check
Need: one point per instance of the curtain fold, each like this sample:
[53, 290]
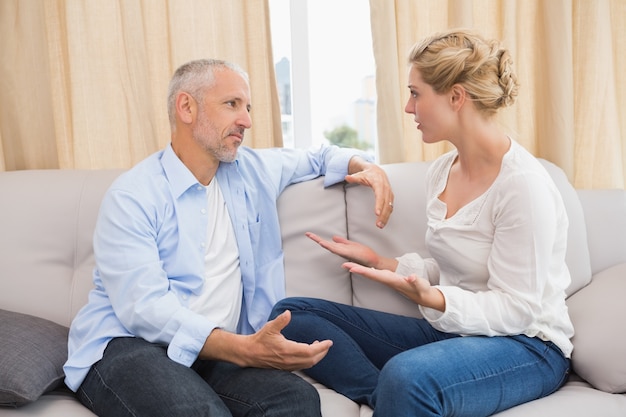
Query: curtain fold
[569, 58]
[83, 84]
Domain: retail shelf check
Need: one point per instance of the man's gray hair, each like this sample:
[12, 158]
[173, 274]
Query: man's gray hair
[194, 77]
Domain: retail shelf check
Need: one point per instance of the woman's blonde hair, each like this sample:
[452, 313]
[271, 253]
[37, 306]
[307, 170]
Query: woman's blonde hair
[483, 67]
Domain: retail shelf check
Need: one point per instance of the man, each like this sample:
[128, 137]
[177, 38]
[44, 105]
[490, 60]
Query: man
[189, 264]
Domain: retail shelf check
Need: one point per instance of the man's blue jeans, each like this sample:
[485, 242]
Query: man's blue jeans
[136, 378]
[402, 366]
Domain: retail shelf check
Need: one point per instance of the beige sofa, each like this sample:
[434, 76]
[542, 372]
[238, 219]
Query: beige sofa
[47, 218]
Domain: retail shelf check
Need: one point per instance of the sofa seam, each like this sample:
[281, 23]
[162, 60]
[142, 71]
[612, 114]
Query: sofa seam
[347, 227]
[79, 203]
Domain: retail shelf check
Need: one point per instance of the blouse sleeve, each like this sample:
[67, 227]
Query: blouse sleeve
[413, 263]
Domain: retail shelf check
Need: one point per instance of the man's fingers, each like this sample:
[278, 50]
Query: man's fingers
[320, 349]
[280, 322]
[321, 346]
[384, 207]
[376, 178]
[308, 355]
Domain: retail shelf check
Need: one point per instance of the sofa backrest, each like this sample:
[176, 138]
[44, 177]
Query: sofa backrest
[47, 218]
[605, 216]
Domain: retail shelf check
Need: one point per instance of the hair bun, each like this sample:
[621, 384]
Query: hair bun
[508, 79]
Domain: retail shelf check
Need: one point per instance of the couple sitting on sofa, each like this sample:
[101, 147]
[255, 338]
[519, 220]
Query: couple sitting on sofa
[177, 323]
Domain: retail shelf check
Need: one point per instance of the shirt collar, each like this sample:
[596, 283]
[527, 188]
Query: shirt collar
[178, 175]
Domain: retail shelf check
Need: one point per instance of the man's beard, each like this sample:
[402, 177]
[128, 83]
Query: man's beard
[202, 135]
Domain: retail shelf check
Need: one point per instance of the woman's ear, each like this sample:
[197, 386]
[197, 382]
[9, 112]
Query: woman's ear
[458, 95]
[185, 107]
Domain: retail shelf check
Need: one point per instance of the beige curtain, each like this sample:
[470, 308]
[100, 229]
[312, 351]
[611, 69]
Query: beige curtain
[83, 83]
[570, 60]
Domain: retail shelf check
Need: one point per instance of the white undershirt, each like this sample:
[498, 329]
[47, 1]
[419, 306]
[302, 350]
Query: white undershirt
[221, 296]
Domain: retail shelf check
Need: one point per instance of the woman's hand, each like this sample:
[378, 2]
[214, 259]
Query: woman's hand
[416, 289]
[347, 249]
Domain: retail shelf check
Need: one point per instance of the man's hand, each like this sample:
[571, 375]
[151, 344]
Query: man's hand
[371, 175]
[270, 349]
[267, 348]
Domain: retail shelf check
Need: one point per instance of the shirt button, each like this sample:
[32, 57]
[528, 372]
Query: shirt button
[203, 211]
[199, 188]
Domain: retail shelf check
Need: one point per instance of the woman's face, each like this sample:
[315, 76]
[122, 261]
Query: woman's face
[432, 111]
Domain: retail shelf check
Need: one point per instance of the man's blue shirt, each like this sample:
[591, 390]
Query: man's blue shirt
[149, 249]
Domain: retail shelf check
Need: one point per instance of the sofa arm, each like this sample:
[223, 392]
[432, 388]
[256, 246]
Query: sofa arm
[599, 344]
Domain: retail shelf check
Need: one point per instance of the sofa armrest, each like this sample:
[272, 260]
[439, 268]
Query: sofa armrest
[599, 340]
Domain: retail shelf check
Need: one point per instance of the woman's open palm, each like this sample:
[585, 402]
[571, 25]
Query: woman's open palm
[347, 249]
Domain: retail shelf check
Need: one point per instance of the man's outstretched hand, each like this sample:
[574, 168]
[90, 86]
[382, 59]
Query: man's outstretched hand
[267, 348]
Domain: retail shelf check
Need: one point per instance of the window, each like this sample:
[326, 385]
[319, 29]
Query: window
[325, 72]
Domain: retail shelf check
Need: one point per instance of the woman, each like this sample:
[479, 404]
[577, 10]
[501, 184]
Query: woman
[495, 331]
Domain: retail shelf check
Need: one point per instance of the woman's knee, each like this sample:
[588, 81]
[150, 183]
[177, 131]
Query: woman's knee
[292, 304]
[399, 374]
[406, 382]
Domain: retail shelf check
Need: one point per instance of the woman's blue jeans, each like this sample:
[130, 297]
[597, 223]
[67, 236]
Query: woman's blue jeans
[402, 366]
[136, 378]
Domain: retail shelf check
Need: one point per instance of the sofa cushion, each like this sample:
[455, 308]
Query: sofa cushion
[600, 338]
[32, 353]
[404, 232]
[309, 269]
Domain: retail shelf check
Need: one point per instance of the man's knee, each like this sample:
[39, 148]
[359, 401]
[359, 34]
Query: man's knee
[299, 398]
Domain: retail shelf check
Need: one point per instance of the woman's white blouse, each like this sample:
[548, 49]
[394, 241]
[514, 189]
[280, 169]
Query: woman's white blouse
[500, 260]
